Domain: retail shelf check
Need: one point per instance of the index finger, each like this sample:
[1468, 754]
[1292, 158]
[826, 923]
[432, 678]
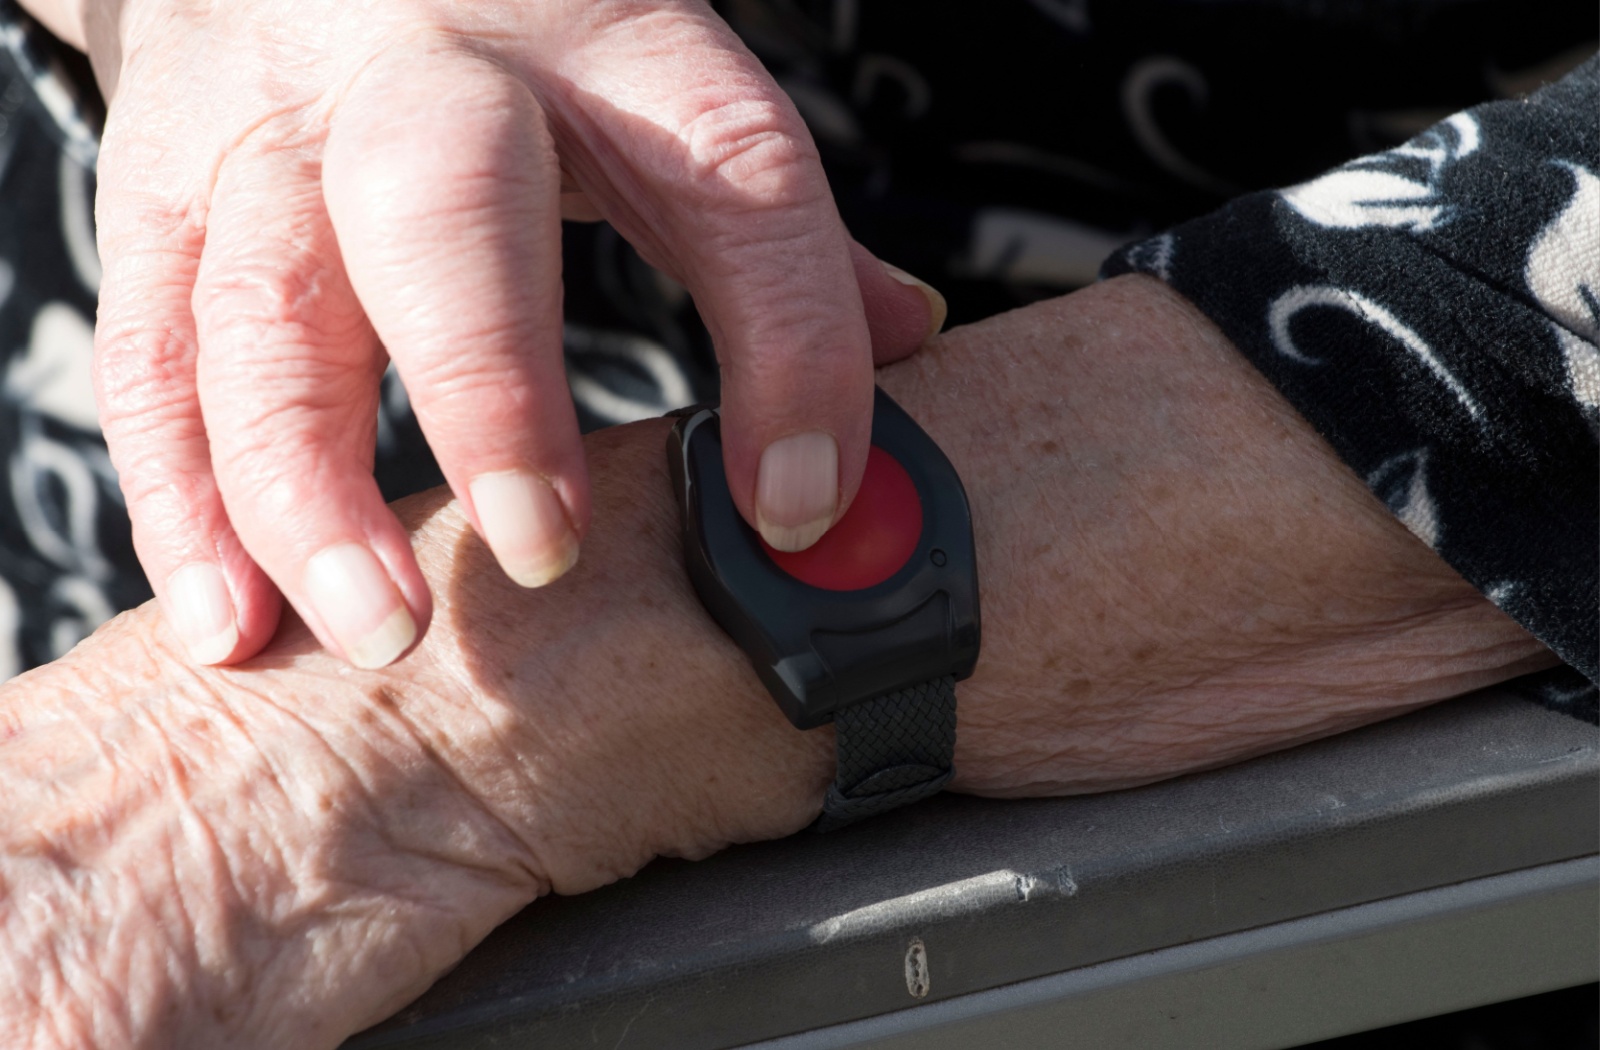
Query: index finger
[697, 156]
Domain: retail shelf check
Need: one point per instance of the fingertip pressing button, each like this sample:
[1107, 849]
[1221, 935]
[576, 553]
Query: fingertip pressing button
[874, 539]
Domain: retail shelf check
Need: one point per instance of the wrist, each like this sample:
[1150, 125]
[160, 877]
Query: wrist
[217, 858]
[626, 724]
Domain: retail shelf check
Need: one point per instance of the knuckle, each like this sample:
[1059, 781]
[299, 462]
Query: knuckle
[169, 505]
[500, 104]
[265, 302]
[439, 376]
[441, 203]
[132, 211]
[142, 374]
[480, 399]
[292, 415]
[279, 445]
[281, 432]
[271, 486]
[752, 153]
[488, 159]
[277, 394]
[251, 293]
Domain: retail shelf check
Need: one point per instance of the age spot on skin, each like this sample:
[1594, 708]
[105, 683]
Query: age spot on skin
[383, 697]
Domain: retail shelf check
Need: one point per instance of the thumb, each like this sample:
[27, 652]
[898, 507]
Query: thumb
[903, 311]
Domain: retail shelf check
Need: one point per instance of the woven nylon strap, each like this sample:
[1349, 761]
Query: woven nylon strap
[893, 749]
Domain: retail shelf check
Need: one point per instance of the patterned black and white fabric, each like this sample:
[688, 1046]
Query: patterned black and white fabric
[66, 560]
[1429, 308]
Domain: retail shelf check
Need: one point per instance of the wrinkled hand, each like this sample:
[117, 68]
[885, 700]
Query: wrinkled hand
[291, 188]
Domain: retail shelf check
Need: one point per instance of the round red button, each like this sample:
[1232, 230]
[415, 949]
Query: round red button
[876, 536]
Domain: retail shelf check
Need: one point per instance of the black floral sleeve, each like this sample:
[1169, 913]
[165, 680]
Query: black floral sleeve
[1434, 310]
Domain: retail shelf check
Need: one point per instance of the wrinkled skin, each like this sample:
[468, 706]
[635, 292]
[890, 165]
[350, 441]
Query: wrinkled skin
[1177, 574]
[292, 192]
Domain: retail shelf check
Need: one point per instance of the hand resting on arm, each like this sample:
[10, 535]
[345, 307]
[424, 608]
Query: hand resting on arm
[1177, 574]
[293, 194]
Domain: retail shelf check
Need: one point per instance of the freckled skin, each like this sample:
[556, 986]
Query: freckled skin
[281, 853]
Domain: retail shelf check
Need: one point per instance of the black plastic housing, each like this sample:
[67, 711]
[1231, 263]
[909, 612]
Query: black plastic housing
[819, 650]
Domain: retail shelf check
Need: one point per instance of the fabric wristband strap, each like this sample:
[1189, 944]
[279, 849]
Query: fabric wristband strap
[894, 749]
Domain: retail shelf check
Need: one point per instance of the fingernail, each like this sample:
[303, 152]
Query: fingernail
[525, 526]
[797, 490]
[936, 304]
[360, 605]
[200, 610]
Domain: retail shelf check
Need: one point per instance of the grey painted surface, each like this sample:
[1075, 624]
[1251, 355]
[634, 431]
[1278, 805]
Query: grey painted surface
[1350, 970]
[769, 940]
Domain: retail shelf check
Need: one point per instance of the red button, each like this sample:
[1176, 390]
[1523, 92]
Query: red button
[876, 536]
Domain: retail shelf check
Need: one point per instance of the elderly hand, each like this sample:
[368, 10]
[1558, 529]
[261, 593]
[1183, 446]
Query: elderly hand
[289, 189]
[1177, 574]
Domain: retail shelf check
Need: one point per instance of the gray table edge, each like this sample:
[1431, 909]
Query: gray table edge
[1281, 985]
[1033, 909]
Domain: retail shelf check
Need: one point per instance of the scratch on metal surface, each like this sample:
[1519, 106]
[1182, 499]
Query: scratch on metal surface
[1571, 754]
[1057, 882]
[626, 1028]
[963, 897]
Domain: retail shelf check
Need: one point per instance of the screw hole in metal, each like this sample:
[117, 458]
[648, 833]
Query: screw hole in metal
[917, 968]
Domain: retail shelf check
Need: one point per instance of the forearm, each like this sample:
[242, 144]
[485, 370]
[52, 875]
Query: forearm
[1176, 574]
[1489, 451]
